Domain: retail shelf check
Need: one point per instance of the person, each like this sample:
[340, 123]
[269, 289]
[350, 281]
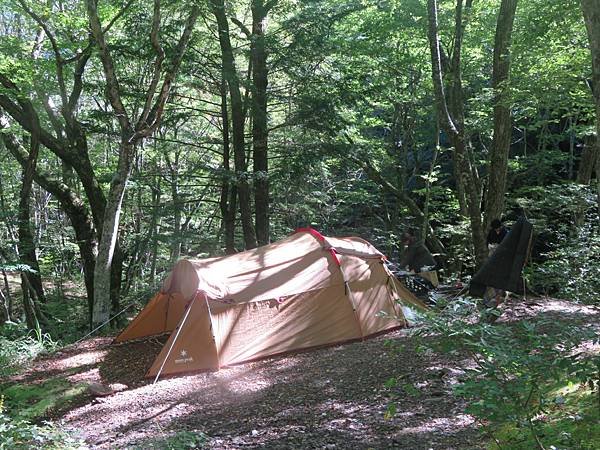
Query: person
[493, 297]
[416, 257]
[496, 235]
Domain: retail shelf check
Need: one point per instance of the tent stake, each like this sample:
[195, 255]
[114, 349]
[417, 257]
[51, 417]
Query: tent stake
[187, 313]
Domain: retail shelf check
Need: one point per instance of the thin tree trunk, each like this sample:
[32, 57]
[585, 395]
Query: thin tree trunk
[154, 226]
[103, 270]
[177, 205]
[9, 300]
[237, 123]
[259, 121]
[425, 223]
[228, 200]
[598, 183]
[26, 245]
[498, 162]
[4, 315]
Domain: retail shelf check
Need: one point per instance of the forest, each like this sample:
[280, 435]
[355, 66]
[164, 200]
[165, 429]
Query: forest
[137, 133]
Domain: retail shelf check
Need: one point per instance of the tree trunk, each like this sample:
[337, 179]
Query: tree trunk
[450, 115]
[237, 123]
[26, 245]
[177, 205]
[31, 318]
[228, 200]
[9, 301]
[103, 270]
[154, 226]
[259, 121]
[591, 16]
[498, 163]
[131, 133]
[4, 315]
[589, 158]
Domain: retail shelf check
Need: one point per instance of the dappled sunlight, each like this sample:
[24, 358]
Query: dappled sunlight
[90, 375]
[283, 402]
[553, 305]
[440, 425]
[80, 359]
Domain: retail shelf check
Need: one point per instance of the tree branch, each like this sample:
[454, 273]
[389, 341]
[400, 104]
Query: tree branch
[113, 91]
[436, 69]
[160, 56]
[59, 59]
[158, 108]
[242, 27]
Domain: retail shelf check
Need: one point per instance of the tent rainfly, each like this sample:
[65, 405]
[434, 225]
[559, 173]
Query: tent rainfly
[302, 292]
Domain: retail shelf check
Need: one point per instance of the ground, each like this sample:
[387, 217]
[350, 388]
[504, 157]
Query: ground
[329, 398]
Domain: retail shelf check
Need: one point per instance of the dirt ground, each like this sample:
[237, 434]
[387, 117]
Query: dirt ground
[325, 399]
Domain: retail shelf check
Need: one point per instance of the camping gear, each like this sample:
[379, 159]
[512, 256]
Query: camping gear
[302, 292]
[503, 269]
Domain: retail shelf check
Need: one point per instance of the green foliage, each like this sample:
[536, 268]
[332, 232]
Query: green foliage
[567, 251]
[570, 422]
[517, 368]
[18, 347]
[19, 434]
[179, 441]
[572, 270]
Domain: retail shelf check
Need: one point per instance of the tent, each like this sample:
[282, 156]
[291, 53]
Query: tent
[302, 292]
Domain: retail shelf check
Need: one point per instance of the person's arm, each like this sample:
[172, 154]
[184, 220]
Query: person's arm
[489, 237]
[407, 257]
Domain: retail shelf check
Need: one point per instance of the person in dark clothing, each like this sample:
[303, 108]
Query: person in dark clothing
[496, 234]
[416, 256]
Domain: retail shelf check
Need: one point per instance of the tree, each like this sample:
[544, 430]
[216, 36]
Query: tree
[498, 160]
[131, 133]
[260, 131]
[591, 15]
[238, 118]
[450, 111]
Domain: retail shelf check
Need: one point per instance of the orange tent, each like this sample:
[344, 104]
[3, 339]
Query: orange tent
[301, 292]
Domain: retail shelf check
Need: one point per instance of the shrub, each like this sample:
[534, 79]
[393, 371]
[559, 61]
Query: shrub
[16, 351]
[518, 368]
[17, 434]
[182, 440]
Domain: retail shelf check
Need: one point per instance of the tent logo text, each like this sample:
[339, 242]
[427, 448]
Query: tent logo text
[184, 358]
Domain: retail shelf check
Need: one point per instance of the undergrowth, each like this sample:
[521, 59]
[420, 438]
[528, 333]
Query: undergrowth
[533, 384]
[18, 347]
[20, 434]
[182, 440]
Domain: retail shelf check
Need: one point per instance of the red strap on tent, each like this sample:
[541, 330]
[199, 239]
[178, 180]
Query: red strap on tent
[335, 256]
[319, 237]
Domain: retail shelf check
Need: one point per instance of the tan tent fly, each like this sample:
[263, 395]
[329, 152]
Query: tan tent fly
[302, 292]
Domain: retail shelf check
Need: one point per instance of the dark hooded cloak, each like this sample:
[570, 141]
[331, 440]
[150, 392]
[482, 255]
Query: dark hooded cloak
[503, 269]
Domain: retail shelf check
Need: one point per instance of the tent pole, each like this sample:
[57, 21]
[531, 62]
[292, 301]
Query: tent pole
[187, 313]
[212, 332]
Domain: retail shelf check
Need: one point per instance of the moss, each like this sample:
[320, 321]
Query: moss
[37, 401]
